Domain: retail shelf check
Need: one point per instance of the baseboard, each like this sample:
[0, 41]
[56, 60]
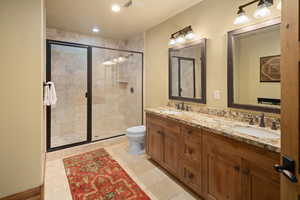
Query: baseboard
[34, 192]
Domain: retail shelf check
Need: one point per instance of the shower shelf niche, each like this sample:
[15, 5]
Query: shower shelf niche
[123, 81]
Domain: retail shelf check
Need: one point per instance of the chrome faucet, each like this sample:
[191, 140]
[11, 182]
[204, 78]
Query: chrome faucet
[262, 121]
[180, 106]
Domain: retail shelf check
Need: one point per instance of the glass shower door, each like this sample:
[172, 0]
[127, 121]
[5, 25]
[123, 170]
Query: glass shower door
[68, 71]
[116, 92]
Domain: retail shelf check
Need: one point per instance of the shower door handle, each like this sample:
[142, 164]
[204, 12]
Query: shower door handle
[86, 95]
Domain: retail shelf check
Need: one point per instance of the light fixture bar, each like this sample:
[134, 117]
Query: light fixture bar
[182, 31]
[261, 11]
[269, 2]
[181, 36]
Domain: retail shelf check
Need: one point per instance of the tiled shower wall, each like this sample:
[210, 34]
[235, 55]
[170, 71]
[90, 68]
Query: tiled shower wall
[117, 89]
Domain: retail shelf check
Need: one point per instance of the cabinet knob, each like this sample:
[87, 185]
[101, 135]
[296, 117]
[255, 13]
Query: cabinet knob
[191, 175]
[246, 171]
[191, 150]
[190, 132]
[236, 168]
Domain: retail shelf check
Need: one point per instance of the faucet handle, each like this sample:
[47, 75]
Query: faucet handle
[262, 121]
[188, 108]
[274, 125]
[251, 121]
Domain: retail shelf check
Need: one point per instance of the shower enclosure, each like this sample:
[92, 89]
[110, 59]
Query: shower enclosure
[99, 90]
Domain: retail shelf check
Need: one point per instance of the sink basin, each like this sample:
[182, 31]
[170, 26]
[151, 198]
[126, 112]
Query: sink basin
[170, 112]
[256, 132]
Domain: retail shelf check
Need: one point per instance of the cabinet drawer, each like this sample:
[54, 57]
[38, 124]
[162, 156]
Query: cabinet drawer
[167, 124]
[191, 150]
[191, 175]
[191, 134]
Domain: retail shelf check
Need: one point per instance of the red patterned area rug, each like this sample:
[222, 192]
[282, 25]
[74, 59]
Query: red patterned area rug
[96, 176]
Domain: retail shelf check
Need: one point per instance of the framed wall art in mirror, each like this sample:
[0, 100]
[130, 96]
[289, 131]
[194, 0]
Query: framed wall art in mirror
[254, 67]
[187, 72]
[270, 69]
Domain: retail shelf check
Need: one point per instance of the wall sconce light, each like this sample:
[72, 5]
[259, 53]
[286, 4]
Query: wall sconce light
[261, 11]
[182, 36]
[241, 18]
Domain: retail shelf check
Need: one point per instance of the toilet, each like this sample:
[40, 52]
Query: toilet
[136, 138]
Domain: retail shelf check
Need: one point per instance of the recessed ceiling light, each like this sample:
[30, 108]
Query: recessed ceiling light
[95, 29]
[116, 7]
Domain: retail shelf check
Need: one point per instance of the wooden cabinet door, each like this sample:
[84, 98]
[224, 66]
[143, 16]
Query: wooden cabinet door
[155, 142]
[259, 183]
[221, 170]
[224, 178]
[171, 150]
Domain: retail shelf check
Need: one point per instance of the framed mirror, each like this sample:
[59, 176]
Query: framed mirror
[254, 67]
[187, 72]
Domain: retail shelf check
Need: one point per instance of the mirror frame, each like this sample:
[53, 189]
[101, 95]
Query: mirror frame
[230, 72]
[202, 43]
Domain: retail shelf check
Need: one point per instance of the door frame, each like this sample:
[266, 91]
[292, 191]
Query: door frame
[290, 90]
[89, 96]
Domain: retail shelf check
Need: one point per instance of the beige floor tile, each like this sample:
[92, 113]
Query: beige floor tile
[165, 189]
[151, 179]
[185, 196]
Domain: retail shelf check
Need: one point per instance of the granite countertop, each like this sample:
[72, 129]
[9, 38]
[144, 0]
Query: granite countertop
[221, 126]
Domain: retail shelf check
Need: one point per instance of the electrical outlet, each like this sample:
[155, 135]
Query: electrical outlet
[217, 94]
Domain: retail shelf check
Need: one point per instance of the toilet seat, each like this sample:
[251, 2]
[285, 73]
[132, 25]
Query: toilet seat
[137, 130]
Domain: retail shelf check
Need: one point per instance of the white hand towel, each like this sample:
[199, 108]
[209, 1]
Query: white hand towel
[50, 97]
[52, 93]
[46, 95]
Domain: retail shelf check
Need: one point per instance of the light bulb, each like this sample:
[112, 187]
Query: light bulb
[242, 18]
[95, 29]
[116, 7]
[262, 11]
[279, 6]
[180, 39]
[121, 59]
[190, 35]
[108, 63]
[172, 41]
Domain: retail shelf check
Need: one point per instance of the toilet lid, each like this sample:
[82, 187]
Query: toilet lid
[136, 130]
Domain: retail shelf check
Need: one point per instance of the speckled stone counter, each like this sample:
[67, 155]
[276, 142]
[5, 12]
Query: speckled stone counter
[219, 125]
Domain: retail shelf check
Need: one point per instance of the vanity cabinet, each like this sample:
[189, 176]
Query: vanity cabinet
[214, 166]
[162, 143]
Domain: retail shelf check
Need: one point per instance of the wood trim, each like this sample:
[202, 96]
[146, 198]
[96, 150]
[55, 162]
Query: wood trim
[299, 51]
[290, 92]
[34, 192]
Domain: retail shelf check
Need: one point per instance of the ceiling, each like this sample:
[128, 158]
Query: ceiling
[82, 15]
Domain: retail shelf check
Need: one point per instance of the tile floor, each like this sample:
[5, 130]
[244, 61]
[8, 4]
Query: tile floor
[151, 179]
